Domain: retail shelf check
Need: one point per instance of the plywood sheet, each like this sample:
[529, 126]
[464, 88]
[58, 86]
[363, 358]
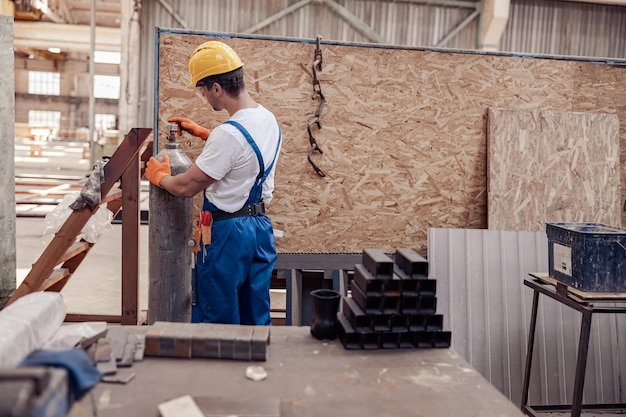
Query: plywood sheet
[404, 131]
[550, 166]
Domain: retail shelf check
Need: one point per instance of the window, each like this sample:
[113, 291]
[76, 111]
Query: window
[107, 57]
[105, 121]
[41, 118]
[106, 86]
[44, 83]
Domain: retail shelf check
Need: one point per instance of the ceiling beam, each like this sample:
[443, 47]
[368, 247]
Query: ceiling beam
[353, 21]
[43, 35]
[275, 17]
[493, 22]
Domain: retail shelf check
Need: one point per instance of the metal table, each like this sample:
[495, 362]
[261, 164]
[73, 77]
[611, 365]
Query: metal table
[586, 304]
[308, 377]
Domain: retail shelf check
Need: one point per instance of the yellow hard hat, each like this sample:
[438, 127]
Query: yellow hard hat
[212, 58]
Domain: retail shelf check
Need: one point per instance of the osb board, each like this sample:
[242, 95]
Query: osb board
[403, 131]
[551, 166]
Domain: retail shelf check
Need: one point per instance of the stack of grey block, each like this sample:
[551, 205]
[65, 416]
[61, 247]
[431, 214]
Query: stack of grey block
[392, 304]
[208, 340]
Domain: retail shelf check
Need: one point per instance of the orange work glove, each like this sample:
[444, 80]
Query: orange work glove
[187, 125]
[156, 171]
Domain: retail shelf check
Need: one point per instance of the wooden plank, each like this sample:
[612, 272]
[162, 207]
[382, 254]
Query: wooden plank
[582, 295]
[404, 131]
[130, 243]
[57, 275]
[74, 250]
[552, 166]
[75, 318]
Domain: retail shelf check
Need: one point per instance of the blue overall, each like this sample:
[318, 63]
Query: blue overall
[235, 269]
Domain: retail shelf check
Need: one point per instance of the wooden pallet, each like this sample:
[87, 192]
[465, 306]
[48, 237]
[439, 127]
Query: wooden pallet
[65, 252]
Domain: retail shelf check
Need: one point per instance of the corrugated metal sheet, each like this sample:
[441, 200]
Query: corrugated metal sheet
[565, 28]
[480, 292]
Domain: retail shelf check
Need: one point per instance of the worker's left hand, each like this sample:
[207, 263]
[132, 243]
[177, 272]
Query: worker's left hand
[156, 171]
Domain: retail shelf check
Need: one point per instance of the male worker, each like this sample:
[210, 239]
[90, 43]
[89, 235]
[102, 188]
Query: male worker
[236, 171]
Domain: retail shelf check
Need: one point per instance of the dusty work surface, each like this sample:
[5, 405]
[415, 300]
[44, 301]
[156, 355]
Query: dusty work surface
[307, 377]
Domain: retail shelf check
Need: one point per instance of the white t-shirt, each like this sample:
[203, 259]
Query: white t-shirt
[230, 160]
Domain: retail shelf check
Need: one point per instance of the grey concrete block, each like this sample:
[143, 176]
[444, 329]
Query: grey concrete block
[242, 343]
[227, 341]
[259, 343]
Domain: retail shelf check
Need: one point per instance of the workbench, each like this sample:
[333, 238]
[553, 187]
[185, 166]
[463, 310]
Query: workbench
[587, 303]
[307, 377]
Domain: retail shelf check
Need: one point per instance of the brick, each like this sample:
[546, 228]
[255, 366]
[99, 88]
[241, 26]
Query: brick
[259, 342]
[153, 340]
[107, 367]
[378, 263]
[202, 332]
[103, 350]
[118, 336]
[182, 347]
[413, 264]
[227, 341]
[128, 357]
[167, 339]
[140, 347]
[205, 340]
[242, 343]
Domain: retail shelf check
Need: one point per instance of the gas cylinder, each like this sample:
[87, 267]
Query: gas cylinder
[169, 230]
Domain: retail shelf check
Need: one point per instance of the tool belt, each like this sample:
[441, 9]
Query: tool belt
[257, 209]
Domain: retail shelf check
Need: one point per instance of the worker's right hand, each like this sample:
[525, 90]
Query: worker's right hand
[187, 125]
[156, 171]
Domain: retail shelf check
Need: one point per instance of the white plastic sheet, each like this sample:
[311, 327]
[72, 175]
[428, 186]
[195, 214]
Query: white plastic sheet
[96, 225]
[27, 324]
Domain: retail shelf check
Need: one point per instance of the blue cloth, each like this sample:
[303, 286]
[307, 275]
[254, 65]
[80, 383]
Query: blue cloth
[235, 271]
[83, 374]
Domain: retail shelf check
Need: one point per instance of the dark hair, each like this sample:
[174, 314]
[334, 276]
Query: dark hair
[232, 82]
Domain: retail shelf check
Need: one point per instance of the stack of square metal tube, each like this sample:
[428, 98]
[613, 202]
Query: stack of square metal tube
[392, 304]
